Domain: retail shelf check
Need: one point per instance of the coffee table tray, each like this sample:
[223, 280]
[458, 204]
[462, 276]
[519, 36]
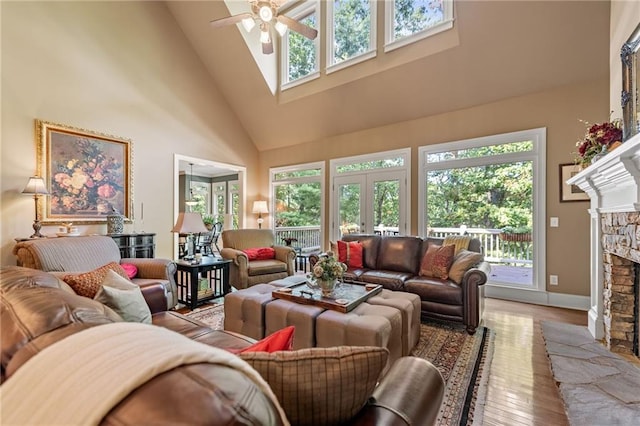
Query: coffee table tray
[344, 298]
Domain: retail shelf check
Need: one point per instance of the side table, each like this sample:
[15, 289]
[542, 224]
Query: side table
[188, 276]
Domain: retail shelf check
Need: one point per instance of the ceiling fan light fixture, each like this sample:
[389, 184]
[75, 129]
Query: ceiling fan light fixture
[248, 24]
[281, 28]
[266, 14]
[264, 36]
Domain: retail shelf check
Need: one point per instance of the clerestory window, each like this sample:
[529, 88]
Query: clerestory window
[300, 56]
[407, 21]
[351, 33]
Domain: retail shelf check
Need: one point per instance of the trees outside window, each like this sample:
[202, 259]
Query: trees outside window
[301, 54]
[411, 20]
[352, 29]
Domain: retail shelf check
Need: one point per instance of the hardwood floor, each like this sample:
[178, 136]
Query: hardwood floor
[521, 389]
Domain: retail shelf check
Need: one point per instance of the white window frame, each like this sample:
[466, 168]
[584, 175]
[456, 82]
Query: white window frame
[391, 43]
[371, 53]
[299, 13]
[273, 171]
[537, 156]
[406, 168]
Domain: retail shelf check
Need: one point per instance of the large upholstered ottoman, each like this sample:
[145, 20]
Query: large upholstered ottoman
[409, 306]
[244, 310]
[366, 325]
[281, 313]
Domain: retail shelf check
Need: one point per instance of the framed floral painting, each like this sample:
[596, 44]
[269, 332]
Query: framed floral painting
[88, 174]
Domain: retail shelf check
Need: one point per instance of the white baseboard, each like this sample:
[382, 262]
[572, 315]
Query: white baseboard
[558, 300]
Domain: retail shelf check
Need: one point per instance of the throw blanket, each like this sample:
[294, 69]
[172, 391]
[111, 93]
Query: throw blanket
[98, 367]
[461, 242]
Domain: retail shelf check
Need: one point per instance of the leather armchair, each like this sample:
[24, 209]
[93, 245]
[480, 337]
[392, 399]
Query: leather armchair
[244, 272]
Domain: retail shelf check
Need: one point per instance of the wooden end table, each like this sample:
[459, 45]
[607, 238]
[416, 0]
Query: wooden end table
[188, 276]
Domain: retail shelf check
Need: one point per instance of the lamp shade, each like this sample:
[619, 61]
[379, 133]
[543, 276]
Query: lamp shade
[189, 223]
[35, 186]
[260, 207]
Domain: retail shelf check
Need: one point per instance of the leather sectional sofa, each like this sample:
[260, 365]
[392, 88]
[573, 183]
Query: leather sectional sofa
[394, 262]
[38, 310]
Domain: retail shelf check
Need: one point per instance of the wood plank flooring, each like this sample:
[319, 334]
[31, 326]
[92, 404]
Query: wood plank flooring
[521, 389]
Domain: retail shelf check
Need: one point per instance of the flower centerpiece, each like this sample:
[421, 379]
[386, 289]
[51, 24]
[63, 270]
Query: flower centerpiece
[326, 272]
[598, 139]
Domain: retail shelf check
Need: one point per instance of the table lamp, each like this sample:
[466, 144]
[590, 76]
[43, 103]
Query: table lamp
[189, 223]
[260, 207]
[37, 188]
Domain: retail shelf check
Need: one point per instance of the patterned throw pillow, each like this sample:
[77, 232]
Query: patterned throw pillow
[461, 242]
[320, 386]
[437, 261]
[88, 283]
[462, 262]
[348, 252]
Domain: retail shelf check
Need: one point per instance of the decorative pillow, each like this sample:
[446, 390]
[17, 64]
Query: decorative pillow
[320, 386]
[124, 297]
[461, 242]
[281, 340]
[260, 253]
[348, 252]
[462, 262]
[130, 269]
[437, 261]
[87, 284]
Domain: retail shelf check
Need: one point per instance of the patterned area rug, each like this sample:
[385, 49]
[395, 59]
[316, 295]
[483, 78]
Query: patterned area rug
[463, 360]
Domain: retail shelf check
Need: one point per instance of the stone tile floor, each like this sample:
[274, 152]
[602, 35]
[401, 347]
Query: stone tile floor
[598, 386]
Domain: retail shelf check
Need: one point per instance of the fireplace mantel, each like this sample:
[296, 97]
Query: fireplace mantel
[614, 181]
[613, 186]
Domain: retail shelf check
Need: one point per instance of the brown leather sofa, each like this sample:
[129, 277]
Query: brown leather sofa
[156, 277]
[37, 310]
[394, 263]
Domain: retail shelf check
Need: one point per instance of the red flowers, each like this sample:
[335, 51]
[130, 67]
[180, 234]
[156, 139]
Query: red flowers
[597, 136]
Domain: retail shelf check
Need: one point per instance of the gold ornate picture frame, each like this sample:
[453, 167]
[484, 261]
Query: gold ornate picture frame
[88, 174]
[570, 192]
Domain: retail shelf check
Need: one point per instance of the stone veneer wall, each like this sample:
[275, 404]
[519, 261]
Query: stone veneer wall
[621, 248]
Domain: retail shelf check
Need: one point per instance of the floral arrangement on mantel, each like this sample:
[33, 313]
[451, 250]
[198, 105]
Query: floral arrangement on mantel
[600, 138]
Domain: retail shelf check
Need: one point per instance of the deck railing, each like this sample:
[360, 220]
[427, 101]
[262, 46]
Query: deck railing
[498, 247]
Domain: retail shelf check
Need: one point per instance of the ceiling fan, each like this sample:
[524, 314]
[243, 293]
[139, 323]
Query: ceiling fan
[265, 14]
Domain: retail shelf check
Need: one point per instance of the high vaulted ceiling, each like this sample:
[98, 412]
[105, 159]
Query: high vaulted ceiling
[501, 49]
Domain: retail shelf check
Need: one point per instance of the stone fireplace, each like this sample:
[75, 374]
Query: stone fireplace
[613, 186]
[621, 234]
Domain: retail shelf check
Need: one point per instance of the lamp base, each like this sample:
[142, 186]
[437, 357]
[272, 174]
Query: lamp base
[36, 227]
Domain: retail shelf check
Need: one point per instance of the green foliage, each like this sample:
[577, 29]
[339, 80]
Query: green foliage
[298, 204]
[352, 28]
[302, 52]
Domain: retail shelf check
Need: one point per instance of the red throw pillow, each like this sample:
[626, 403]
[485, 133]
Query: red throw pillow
[437, 261]
[130, 269]
[350, 253]
[281, 340]
[260, 253]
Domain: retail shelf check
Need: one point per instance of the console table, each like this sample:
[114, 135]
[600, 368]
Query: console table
[212, 271]
[140, 245]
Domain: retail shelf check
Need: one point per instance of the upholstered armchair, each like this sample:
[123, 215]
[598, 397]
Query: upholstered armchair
[244, 272]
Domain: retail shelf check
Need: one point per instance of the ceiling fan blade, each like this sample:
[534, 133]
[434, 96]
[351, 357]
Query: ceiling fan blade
[296, 26]
[267, 48]
[217, 23]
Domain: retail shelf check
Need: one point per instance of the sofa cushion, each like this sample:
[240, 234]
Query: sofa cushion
[462, 262]
[319, 386]
[390, 280]
[401, 254]
[262, 267]
[435, 290]
[437, 261]
[124, 297]
[87, 284]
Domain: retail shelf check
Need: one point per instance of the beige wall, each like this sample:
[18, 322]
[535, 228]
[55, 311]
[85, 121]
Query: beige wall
[558, 110]
[122, 68]
[625, 17]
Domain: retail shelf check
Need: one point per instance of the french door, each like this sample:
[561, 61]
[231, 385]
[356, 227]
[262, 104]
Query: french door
[370, 202]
